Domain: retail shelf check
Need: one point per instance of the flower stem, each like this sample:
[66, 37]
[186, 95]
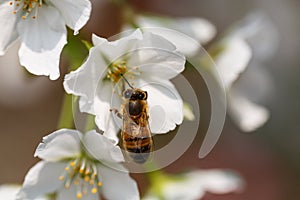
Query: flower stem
[76, 51]
[89, 123]
[66, 115]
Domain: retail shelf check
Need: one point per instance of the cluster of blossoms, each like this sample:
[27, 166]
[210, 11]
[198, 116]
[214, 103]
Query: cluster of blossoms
[232, 54]
[77, 165]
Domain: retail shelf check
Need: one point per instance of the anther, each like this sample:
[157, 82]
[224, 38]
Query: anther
[67, 184]
[94, 190]
[82, 167]
[86, 178]
[79, 195]
[72, 164]
[76, 182]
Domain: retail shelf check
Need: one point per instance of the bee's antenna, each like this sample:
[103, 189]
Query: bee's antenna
[127, 81]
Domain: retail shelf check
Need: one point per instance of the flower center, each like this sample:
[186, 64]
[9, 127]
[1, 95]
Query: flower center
[115, 71]
[26, 7]
[82, 173]
[119, 68]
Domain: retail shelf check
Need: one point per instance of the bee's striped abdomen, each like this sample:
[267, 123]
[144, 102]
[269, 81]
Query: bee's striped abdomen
[138, 148]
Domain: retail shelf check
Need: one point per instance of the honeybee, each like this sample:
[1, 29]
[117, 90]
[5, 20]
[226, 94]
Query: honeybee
[136, 135]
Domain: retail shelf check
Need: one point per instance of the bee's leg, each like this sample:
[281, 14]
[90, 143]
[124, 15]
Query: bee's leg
[116, 112]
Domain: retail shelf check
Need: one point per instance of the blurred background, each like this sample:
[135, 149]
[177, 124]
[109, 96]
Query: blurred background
[267, 158]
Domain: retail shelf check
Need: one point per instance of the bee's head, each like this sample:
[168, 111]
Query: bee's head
[135, 94]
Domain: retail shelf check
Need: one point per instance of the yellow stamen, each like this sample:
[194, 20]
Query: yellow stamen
[76, 182]
[67, 185]
[86, 179]
[79, 195]
[26, 7]
[72, 164]
[82, 167]
[82, 173]
[92, 182]
[94, 190]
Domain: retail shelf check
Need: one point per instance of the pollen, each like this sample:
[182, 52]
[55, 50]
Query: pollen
[79, 195]
[115, 71]
[72, 164]
[94, 190]
[26, 7]
[86, 178]
[82, 174]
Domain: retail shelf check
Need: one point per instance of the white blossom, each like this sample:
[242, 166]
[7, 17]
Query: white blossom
[147, 61]
[199, 29]
[194, 184]
[41, 27]
[78, 166]
[239, 65]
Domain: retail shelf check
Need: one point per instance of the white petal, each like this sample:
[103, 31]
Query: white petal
[115, 49]
[194, 184]
[184, 44]
[199, 29]
[70, 193]
[97, 40]
[111, 125]
[246, 114]
[43, 40]
[160, 66]
[217, 181]
[85, 80]
[260, 33]
[104, 118]
[185, 189]
[101, 148]
[59, 145]
[8, 192]
[117, 184]
[233, 60]
[165, 105]
[157, 58]
[75, 13]
[8, 25]
[41, 179]
[155, 41]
